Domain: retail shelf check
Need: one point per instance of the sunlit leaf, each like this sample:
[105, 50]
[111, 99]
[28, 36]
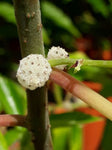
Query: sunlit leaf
[75, 138]
[12, 97]
[14, 134]
[60, 136]
[78, 55]
[67, 138]
[19, 134]
[7, 12]
[3, 143]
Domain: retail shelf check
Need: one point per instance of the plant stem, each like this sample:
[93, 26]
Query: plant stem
[61, 61]
[13, 120]
[30, 35]
[38, 118]
[81, 91]
[29, 25]
[69, 61]
[98, 63]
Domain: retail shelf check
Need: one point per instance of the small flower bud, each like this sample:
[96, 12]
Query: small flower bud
[33, 72]
[78, 66]
[56, 53]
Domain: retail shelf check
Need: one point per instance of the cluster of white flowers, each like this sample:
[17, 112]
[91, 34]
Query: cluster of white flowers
[34, 70]
[56, 53]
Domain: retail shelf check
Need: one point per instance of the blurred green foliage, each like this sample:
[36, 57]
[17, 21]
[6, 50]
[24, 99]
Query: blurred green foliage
[71, 119]
[83, 25]
[12, 97]
[68, 138]
[3, 143]
[7, 12]
[53, 13]
[99, 6]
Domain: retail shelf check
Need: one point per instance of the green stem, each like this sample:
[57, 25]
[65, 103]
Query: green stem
[85, 62]
[30, 36]
[98, 63]
[61, 61]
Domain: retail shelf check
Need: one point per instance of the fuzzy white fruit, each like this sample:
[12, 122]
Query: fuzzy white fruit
[33, 72]
[56, 53]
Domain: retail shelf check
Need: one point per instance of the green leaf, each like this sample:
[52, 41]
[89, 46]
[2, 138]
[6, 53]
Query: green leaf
[26, 143]
[12, 97]
[14, 134]
[71, 119]
[67, 138]
[19, 134]
[60, 136]
[99, 6]
[45, 36]
[88, 18]
[78, 55]
[56, 15]
[7, 12]
[75, 138]
[3, 143]
[106, 141]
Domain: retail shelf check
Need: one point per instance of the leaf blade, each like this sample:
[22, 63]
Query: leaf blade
[3, 143]
[11, 97]
[71, 119]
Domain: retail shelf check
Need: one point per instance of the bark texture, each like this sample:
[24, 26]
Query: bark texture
[29, 28]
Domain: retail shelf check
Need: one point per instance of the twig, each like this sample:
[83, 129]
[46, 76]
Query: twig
[81, 91]
[13, 120]
[29, 25]
[85, 62]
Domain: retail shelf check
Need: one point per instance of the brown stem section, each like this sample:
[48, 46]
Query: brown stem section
[38, 118]
[29, 27]
[13, 120]
[78, 89]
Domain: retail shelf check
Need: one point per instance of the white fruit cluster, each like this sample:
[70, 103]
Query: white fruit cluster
[33, 72]
[56, 53]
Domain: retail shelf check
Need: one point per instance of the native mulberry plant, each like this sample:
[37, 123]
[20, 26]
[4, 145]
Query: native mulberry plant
[34, 70]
